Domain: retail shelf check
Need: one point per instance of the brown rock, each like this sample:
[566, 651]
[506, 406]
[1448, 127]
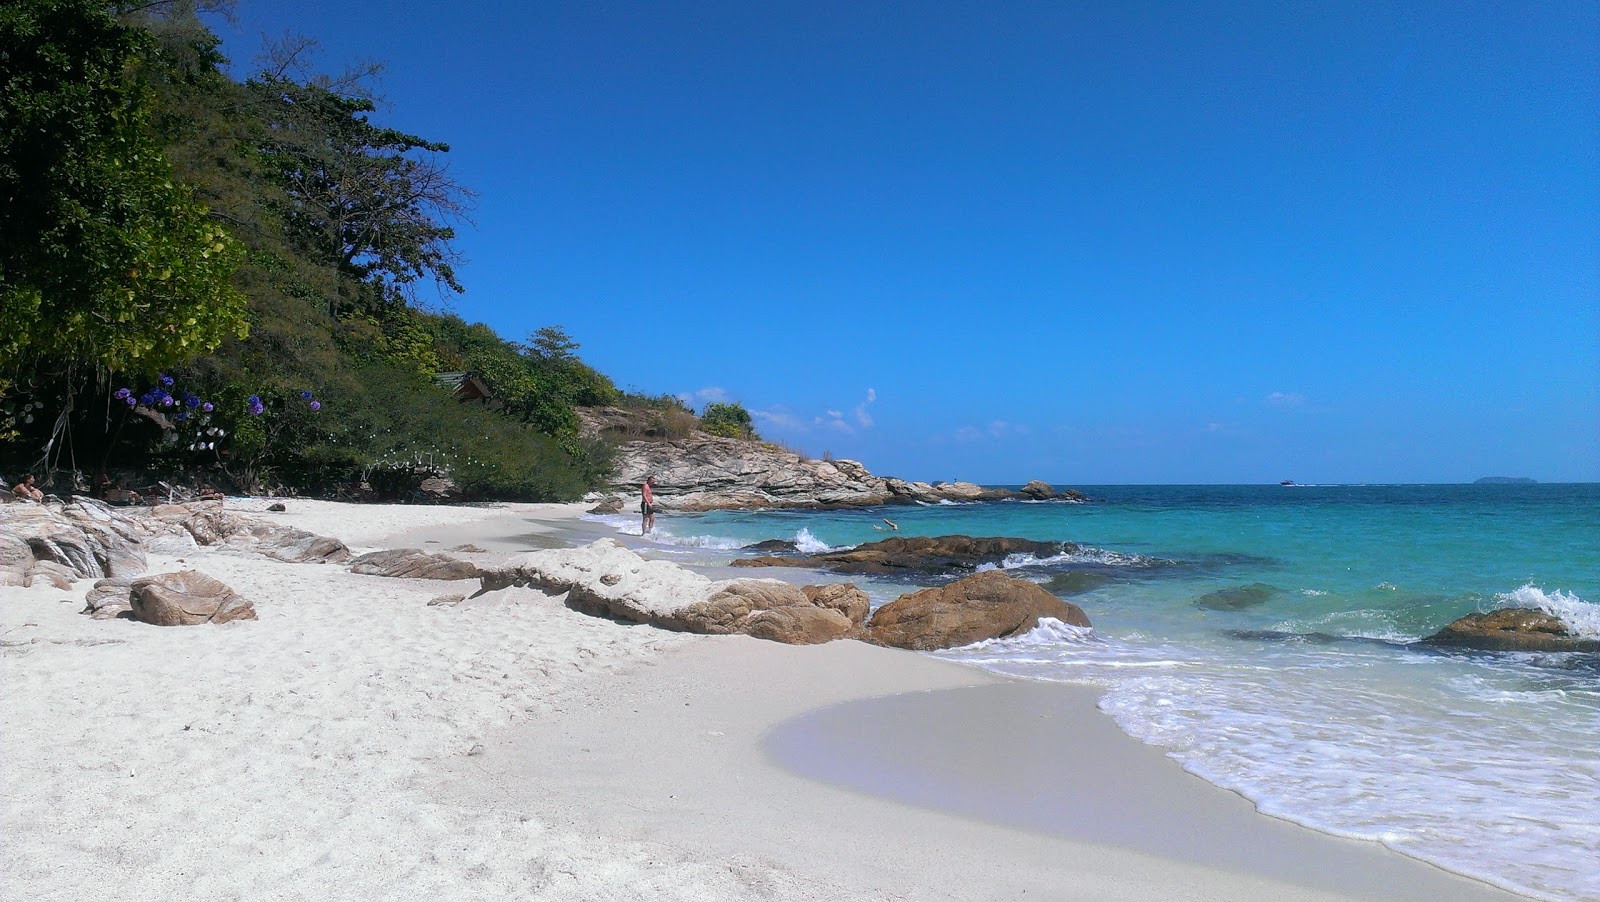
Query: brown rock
[1512, 629]
[798, 625]
[446, 601]
[413, 563]
[277, 507]
[109, 598]
[985, 605]
[612, 505]
[186, 598]
[1039, 490]
[468, 549]
[725, 610]
[842, 597]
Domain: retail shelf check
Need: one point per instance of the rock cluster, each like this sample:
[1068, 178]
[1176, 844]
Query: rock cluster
[709, 473]
[185, 598]
[82, 539]
[606, 579]
[89, 539]
[989, 605]
[917, 554]
[1512, 629]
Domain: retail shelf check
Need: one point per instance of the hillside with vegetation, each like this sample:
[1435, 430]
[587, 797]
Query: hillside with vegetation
[245, 282]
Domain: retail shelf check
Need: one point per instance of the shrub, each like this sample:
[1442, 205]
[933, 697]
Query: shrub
[727, 420]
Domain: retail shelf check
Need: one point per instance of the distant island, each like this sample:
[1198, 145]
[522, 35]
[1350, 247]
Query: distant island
[1505, 480]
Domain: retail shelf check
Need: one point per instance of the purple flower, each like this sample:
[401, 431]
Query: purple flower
[131, 400]
[147, 399]
[254, 400]
[208, 407]
[164, 379]
[182, 415]
[121, 394]
[316, 405]
[306, 395]
[191, 402]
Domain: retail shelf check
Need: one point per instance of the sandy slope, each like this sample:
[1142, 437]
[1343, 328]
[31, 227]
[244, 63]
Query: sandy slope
[356, 743]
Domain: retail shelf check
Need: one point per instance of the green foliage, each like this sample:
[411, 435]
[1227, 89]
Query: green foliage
[727, 420]
[106, 261]
[371, 204]
[150, 201]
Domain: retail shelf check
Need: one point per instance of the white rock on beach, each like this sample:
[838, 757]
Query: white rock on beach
[606, 579]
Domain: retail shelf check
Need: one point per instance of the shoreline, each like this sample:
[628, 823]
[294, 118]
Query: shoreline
[356, 738]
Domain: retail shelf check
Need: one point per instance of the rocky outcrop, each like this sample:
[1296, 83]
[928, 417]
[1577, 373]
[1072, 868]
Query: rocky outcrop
[987, 605]
[186, 598]
[82, 539]
[413, 563]
[209, 523]
[842, 597]
[704, 473]
[606, 579]
[1512, 629]
[916, 554]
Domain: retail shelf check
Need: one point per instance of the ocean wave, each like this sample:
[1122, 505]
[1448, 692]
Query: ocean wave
[1050, 631]
[628, 525]
[1097, 556]
[807, 543]
[1582, 617]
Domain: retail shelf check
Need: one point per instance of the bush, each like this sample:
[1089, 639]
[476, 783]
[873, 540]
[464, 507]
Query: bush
[727, 420]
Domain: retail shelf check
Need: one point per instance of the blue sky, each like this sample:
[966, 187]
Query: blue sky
[1084, 242]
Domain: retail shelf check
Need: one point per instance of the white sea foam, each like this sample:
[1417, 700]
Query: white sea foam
[1050, 631]
[805, 542]
[1582, 617]
[1081, 556]
[1490, 772]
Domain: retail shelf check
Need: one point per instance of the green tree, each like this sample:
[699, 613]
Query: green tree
[372, 205]
[107, 262]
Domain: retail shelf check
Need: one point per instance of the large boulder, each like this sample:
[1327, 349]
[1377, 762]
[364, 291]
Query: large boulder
[798, 625]
[414, 563]
[186, 598]
[842, 597]
[606, 579]
[83, 539]
[1512, 629]
[917, 554]
[988, 605]
[1039, 490]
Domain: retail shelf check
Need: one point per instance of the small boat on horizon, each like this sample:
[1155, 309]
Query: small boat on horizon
[1286, 482]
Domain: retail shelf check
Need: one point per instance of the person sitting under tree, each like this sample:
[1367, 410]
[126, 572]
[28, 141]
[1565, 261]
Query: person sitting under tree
[26, 490]
[647, 506]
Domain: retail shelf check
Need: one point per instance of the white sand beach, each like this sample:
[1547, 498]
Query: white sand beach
[357, 743]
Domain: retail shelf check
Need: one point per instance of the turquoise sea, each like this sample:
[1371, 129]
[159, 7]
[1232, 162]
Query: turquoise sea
[1261, 634]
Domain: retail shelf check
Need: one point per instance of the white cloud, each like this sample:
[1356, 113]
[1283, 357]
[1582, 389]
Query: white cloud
[780, 418]
[711, 394]
[862, 416]
[1286, 399]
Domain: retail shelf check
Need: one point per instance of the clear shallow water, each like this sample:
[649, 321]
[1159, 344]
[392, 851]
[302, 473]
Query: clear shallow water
[1258, 633]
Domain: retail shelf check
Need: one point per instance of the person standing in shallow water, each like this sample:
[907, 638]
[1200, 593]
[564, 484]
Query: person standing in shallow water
[647, 506]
